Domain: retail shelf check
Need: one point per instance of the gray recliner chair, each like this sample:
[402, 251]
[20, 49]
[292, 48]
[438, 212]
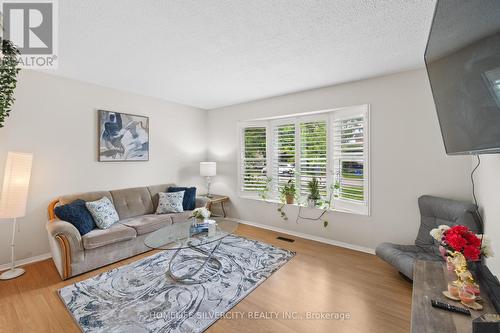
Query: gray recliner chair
[434, 211]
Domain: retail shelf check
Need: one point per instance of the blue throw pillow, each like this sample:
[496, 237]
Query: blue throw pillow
[189, 201]
[77, 214]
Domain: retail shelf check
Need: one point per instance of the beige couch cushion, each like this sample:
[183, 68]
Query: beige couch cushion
[148, 223]
[131, 202]
[88, 196]
[155, 189]
[99, 237]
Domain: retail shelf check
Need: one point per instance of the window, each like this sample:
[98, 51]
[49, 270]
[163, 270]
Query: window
[350, 161]
[284, 159]
[313, 155]
[254, 159]
[331, 146]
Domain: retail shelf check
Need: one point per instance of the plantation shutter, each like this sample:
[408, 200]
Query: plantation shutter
[313, 155]
[350, 163]
[332, 146]
[283, 159]
[253, 159]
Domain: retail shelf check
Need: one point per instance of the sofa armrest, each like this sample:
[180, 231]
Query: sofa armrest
[202, 202]
[65, 244]
[57, 227]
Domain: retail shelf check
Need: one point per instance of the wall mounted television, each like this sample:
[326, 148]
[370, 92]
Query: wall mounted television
[463, 64]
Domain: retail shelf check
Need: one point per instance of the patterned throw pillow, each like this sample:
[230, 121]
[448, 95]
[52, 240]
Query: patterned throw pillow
[170, 202]
[189, 201]
[103, 212]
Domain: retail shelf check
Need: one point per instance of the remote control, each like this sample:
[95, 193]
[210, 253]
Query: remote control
[449, 307]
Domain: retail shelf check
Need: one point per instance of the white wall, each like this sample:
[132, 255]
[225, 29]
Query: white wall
[407, 157]
[487, 178]
[56, 119]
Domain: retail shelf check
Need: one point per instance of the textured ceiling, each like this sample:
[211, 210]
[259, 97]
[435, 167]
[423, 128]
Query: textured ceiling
[213, 53]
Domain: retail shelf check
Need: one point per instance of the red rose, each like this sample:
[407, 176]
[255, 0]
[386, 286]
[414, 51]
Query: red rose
[456, 241]
[458, 229]
[472, 239]
[471, 252]
[460, 238]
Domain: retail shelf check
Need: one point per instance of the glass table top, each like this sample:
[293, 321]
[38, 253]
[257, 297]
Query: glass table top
[180, 235]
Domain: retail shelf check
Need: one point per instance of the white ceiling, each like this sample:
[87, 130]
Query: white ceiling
[213, 53]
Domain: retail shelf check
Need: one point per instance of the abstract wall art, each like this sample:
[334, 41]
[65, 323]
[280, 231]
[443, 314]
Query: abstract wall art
[123, 137]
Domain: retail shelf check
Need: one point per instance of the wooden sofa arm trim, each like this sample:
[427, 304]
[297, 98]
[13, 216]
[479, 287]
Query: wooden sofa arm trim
[52, 205]
[65, 254]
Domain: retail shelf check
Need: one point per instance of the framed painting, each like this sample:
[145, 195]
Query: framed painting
[123, 137]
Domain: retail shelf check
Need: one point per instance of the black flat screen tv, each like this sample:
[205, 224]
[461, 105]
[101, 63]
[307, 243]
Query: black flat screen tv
[463, 64]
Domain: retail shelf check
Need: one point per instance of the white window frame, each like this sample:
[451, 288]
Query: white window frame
[271, 125]
[297, 120]
[346, 205]
[330, 116]
[315, 118]
[241, 140]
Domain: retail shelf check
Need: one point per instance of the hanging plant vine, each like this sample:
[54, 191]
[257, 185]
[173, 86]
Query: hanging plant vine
[8, 78]
[323, 205]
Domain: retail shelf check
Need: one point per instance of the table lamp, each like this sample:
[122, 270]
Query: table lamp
[13, 198]
[207, 170]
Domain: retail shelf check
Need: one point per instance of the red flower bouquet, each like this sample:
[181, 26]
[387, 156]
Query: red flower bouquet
[460, 245]
[460, 239]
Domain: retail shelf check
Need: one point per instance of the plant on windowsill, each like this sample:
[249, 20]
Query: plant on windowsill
[8, 77]
[320, 204]
[324, 206]
[314, 196]
[287, 198]
[288, 192]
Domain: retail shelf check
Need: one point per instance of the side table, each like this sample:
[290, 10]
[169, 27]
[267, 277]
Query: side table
[217, 199]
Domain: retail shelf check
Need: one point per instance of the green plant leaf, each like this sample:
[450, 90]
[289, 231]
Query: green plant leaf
[8, 78]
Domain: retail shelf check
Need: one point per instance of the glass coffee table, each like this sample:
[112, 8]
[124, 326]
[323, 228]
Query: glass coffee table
[179, 237]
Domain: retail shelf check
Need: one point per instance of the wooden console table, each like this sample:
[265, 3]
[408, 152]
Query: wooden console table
[429, 280]
[217, 199]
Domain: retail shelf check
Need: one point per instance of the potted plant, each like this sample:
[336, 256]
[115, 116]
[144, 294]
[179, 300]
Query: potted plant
[288, 192]
[313, 192]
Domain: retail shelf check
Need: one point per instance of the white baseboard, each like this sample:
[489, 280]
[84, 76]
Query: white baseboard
[25, 261]
[307, 236]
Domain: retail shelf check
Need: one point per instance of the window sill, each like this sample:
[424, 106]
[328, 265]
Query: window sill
[274, 201]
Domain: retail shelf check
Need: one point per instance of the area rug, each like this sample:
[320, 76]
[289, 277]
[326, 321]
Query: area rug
[140, 297]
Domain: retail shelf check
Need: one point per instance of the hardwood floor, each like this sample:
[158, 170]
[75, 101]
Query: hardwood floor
[319, 279]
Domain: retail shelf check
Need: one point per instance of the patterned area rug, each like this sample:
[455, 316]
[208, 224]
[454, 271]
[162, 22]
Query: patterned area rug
[139, 297]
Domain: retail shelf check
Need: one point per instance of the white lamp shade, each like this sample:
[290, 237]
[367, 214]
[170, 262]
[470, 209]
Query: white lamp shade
[15, 185]
[208, 169]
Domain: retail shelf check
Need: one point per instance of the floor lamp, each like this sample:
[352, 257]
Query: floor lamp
[13, 199]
